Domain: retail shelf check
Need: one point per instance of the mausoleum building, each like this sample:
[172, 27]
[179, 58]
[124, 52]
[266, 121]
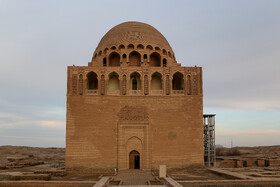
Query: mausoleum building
[134, 106]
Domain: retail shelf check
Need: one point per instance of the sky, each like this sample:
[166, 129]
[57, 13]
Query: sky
[236, 42]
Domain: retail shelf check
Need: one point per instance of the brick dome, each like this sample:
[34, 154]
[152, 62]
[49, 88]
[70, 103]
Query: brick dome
[136, 35]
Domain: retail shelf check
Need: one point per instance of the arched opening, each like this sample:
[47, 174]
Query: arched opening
[104, 61]
[164, 52]
[99, 53]
[134, 160]
[157, 49]
[124, 55]
[130, 46]
[92, 83]
[156, 82]
[121, 46]
[154, 59]
[140, 46]
[134, 84]
[114, 59]
[178, 81]
[134, 59]
[113, 48]
[145, 56]
[135, 81]
[113, 83]
[169, 54]
[164, 62]
[106, 50]
[149, 47]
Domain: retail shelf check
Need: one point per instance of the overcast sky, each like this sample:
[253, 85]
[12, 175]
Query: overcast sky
[237, 42]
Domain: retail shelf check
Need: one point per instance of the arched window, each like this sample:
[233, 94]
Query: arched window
[92, 82]
[140, 46]
[155, 59]
[157, 49]
[105, 50]
[134, 84]
[156, 82]
[100, 53]
[145, 56]
[134, 59]
[121, 46]
[164, 52]
[178, 81]
[113, 82]
[169, 54]
[113, 48]
[130, 46]
[135, 81]
[114, 59]
[124, 55]
[104, 61]
[149, 47]
[164, 63]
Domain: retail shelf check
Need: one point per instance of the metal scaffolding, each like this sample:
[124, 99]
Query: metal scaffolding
[209, 139]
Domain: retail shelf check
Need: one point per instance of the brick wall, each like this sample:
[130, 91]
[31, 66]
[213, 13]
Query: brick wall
[174, 134]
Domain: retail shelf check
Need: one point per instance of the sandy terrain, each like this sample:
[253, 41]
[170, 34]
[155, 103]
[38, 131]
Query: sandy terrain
[32, 163]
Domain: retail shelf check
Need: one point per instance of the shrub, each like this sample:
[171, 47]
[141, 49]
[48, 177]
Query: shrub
[233, 152]
[227, 152]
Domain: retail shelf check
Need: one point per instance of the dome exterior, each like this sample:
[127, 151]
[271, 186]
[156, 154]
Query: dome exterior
[135, 33]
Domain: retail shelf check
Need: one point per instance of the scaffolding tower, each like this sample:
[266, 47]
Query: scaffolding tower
[209, 139]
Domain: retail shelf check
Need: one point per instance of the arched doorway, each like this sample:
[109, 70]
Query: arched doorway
[178, 81]
[135, 81]
[155, 59]
[134, 59]
[92, 82]
[114, 59]
[134, 160]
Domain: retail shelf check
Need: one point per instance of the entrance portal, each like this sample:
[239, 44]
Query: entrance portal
[134, 160]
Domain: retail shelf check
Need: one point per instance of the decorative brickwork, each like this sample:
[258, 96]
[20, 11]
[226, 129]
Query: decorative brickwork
[134, 113]
[133, 103]
[146, 84]
[124, 85]
[195, 84]
[189, 85]
[81, 84]
[102, 84]
[74, 84]
[167, 84]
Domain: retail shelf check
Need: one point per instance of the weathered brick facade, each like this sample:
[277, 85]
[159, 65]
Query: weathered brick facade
[133, 101]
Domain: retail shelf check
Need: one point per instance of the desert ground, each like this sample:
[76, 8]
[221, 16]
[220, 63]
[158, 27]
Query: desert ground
[19, 163]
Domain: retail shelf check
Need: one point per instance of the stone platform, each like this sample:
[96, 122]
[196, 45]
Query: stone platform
[134, 177]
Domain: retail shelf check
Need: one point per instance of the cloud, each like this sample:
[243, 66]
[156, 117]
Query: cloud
[35, 128]
[237, 46]
[52, 124]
